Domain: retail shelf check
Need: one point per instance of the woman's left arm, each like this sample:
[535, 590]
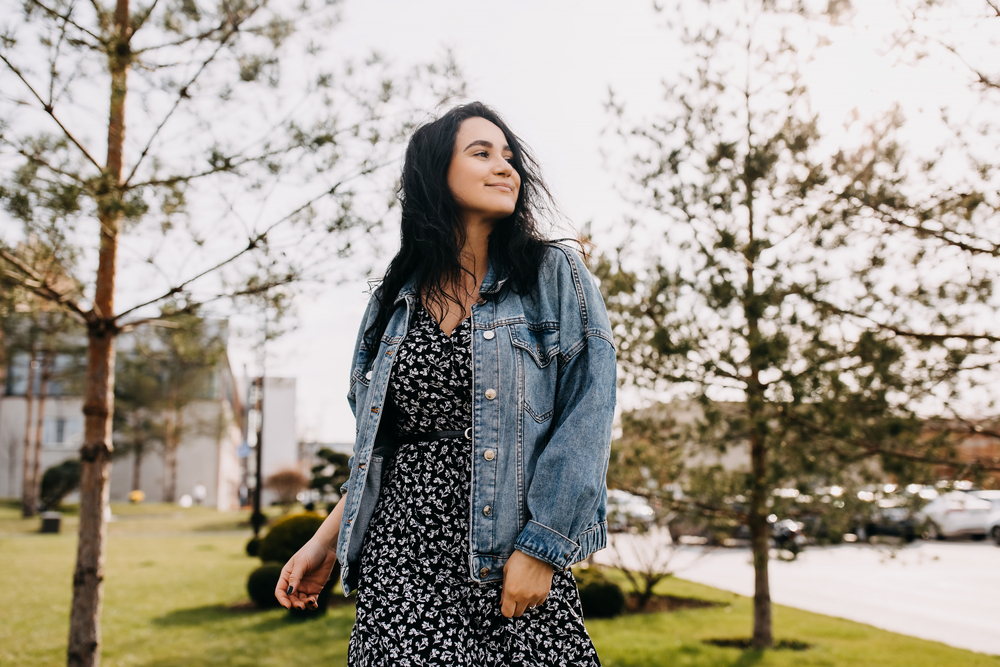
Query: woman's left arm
[569, 477]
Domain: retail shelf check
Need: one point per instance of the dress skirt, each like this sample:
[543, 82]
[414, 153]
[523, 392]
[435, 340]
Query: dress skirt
[417, 603]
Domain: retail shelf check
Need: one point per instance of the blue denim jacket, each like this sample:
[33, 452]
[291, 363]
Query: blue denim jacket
[544, 388]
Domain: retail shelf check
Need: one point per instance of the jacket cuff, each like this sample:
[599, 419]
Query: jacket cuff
[547, 545]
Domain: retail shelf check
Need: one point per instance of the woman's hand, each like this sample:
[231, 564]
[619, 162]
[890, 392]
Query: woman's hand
[526, 583]
[304, 575]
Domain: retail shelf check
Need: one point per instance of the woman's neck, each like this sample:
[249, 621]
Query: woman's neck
[475, 252]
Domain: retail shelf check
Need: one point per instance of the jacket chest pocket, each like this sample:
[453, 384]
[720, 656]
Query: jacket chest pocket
[537, 351]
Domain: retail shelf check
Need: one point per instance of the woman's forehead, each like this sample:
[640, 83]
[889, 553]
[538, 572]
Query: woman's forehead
[479, 131]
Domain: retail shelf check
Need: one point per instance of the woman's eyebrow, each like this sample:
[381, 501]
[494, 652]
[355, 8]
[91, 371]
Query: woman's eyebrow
[484, 143]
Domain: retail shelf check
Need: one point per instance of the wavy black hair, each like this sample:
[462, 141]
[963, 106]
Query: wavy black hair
[432, 234]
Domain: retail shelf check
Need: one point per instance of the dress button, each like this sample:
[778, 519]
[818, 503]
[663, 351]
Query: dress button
[487, 511]
[489, 455]
[483, 572]
[488, 334]
[368, 375]
[491, 394]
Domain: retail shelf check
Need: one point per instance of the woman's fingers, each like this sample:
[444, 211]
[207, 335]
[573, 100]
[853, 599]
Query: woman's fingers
[285, 587]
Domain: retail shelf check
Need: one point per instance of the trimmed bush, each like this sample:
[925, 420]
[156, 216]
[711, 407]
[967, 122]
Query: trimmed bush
[262, 583]
[253, 547]
[288, 536]
[58, 482]
[599, 597]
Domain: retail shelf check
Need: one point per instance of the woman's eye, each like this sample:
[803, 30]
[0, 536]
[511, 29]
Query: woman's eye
[483, 153]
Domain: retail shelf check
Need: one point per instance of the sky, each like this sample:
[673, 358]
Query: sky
[547, 67]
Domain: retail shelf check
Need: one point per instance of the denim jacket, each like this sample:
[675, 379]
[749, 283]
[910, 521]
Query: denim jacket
[544, 388]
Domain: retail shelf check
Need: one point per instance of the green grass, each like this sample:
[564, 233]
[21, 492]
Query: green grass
[173, 576]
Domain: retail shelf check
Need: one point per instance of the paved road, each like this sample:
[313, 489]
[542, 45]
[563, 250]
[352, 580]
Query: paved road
[944, 591]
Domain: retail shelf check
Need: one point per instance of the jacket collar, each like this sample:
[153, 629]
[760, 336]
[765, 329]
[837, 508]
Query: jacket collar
[495, 278]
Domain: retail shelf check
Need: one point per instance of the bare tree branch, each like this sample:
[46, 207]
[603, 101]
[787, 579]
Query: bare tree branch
[193, 306]
[49, 110]
[252, 244]
[33, 157]
[868, 450]
[928, 337]
[145, 17]
[66, 19]
[181, 95]
[992, 249]
[30, 280]
[102, 15]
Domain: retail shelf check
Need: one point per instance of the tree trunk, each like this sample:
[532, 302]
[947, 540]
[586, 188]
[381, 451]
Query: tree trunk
[137, 466]
[170, 459]
[27, 488]
[759, 540]
[84, 648]
[45, 364]
[757, 418]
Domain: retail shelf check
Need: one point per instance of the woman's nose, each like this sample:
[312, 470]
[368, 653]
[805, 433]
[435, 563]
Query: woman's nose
[504, 168]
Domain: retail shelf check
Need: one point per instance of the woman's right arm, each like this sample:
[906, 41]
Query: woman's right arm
[306, 573]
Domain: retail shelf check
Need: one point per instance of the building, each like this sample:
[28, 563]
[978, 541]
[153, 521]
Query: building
[208, 468]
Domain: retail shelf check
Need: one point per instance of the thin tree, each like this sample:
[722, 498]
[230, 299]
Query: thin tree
[214, 118]
[756, 302]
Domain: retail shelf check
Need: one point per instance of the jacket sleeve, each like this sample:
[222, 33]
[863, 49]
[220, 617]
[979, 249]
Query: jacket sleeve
[570, 475]
[358, 361]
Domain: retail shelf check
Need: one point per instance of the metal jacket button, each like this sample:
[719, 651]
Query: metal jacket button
[489, 455]
[491, 394]
[483, 572]
[487, 511]
[488, 334]
[368, 375]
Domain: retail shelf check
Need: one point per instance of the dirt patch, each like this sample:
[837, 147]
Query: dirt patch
[659, 603]
[746, 644]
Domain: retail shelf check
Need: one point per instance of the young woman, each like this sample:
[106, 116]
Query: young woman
[483, 384]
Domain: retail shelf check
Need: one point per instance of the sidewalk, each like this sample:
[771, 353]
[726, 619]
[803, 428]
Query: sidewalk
[947, 592]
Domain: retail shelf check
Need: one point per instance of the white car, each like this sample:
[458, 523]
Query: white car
[955, 513]
[993, 520]
[626, 510]
[993, 526]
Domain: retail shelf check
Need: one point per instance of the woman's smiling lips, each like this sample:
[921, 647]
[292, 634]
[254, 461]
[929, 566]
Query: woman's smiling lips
[503, 186]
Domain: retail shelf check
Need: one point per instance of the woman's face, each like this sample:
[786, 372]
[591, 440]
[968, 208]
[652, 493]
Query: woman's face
[480, 177]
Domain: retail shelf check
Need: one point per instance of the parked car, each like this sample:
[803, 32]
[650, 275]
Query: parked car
[955, 513]
[993, 520]
[993, 526]
[627, 510]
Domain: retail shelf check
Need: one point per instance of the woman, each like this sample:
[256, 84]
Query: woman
[483, 384]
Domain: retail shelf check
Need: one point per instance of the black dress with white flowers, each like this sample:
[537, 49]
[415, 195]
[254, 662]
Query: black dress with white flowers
[417, 604]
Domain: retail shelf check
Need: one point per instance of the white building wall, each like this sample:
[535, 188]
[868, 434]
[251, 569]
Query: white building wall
[206, 455]
[68, 411]
[281, 449]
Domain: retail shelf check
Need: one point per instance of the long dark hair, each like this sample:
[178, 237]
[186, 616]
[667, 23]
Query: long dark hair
[432, 234]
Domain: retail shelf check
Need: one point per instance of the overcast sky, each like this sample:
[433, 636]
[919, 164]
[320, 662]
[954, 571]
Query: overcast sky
[547, 67]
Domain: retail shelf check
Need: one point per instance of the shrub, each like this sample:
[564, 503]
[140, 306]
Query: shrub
[287, 483]
[288, 535]
[253, 546]
[262, 583]
[58, 482]
[599, 597]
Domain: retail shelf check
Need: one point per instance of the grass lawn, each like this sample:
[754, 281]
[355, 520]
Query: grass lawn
[173, 575]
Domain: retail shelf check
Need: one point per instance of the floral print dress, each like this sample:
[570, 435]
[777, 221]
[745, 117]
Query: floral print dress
[417, 604]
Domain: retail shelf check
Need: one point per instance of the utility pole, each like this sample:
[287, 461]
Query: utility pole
[257, 519]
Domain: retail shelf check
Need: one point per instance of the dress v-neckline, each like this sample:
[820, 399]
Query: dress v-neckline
[437, 325]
